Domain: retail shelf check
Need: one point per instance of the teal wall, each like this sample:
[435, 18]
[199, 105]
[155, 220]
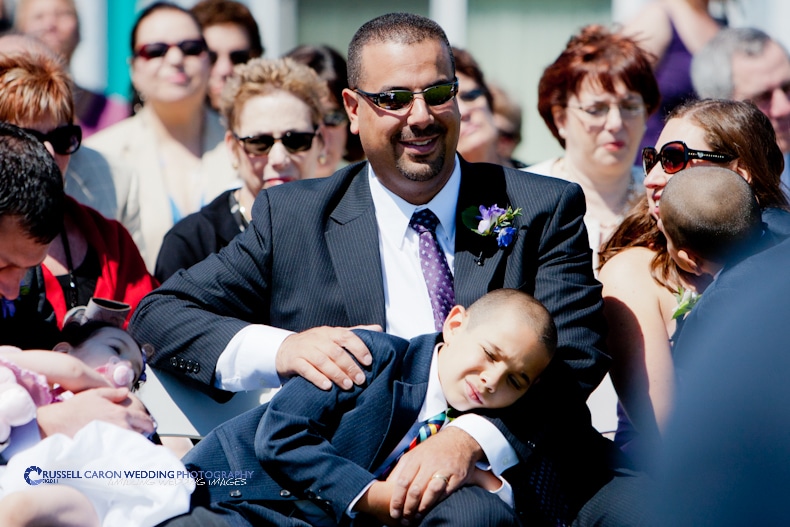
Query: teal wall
[120, 19]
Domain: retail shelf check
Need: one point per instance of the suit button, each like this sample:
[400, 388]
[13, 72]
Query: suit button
[195, 367]
[174, 362]
[284, 493]
[236, 493]
[182, 364]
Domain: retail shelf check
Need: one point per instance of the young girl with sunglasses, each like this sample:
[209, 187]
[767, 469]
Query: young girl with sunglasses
[642, 286]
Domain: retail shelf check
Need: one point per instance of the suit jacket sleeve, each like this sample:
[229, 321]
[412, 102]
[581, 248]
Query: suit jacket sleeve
[299, 441]
[196, 312]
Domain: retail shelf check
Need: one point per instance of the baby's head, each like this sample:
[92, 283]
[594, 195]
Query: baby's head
[708, 215]
[106, 348]
[495, 350]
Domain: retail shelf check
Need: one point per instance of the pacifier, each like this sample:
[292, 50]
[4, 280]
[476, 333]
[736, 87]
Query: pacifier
[119, 372]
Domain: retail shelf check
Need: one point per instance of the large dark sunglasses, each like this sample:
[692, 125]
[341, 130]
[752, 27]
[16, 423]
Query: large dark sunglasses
[400, 99]
[260, 145]
[239, 56]
[155, 50]
[65, 140]
[675, 155]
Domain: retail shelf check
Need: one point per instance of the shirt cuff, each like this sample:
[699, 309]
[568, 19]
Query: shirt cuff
[350, 512]
[500, 455]
[248, 361]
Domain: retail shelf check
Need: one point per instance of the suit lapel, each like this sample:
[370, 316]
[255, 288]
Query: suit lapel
[353, 242]
[479, 262]
[408, 395]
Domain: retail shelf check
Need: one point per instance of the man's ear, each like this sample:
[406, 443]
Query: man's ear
[455, 320]
[62, 347]
[351, 104]
[690, 262]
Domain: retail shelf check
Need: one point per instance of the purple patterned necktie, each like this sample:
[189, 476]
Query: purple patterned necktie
[434, 266]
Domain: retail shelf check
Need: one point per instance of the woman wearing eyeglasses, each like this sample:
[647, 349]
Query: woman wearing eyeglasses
[642, 285]
[341, 144]
[93, 256]
[595, 99]
[233, 38]
[169, 141]
[274, 111]
[479, 138]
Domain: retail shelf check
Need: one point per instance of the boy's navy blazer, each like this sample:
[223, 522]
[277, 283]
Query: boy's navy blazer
[326, 442]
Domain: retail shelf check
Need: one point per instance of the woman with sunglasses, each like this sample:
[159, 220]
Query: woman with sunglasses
[93, 256]
[642, 286]
[233, 38]
[341, 145]
[479, 137]
[169, 141]
[274, 111]
[595, 99]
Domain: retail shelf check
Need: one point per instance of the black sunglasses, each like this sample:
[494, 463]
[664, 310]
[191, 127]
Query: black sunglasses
[471, 95]
[400, 99]
[154, 50]
[260, 145]
[674, 157]
[335, 118]
[239, 56]
[65, 140]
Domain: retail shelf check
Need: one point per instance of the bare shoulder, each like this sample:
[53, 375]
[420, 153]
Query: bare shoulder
[629, 266]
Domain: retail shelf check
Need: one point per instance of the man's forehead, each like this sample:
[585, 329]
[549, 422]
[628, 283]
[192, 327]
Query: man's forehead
[754, 74]
[386, 60]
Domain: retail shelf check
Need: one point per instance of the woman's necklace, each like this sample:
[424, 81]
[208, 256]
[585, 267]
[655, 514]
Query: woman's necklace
[71, 293]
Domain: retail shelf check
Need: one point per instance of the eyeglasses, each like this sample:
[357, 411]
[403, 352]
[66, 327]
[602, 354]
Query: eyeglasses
[154, 50]
[65, 140]
[600, 110]
[471, 95]
[674, 157]
[239, 56]
[401, 99]
[335, 118]
[260, 145]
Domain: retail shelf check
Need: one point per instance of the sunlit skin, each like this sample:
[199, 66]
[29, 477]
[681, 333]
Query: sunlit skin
[175, 76]
[54, 22]
[479, 136]
[489, 364]
[18, 253]
[223, 39]
[606, 148]
[765, 79]
[106, 344]
[412, 151]
[679, 129]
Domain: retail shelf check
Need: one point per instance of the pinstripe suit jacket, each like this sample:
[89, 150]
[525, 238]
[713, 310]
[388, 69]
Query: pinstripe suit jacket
[311, 257]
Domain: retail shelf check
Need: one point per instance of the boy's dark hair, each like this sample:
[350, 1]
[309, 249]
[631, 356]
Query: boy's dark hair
[710, 211]
[31, 185]
[404, 28]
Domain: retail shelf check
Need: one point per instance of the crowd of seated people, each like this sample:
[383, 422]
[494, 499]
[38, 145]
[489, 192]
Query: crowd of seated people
[265, 218]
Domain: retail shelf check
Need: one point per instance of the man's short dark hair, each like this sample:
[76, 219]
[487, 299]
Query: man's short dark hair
[31, 185]
[402, 28]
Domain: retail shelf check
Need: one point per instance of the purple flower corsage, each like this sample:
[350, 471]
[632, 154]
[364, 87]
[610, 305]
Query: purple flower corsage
[492, 221]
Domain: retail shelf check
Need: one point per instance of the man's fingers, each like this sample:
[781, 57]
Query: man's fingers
[437, 489]
[354, 345]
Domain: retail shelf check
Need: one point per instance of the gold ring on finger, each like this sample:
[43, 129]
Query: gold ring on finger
[446, 479]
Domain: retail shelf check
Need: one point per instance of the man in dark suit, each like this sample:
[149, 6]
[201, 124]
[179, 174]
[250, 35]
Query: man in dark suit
[724, 460]
[323, 255]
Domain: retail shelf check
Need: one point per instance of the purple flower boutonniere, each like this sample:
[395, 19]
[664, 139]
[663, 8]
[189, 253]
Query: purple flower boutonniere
[492, 221]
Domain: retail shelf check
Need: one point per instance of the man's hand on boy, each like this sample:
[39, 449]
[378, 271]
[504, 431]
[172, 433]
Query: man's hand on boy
[321, 355]
[436, 468]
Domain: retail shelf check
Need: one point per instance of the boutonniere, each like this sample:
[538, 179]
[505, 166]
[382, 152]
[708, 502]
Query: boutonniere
[492, 221]
[687, 299]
